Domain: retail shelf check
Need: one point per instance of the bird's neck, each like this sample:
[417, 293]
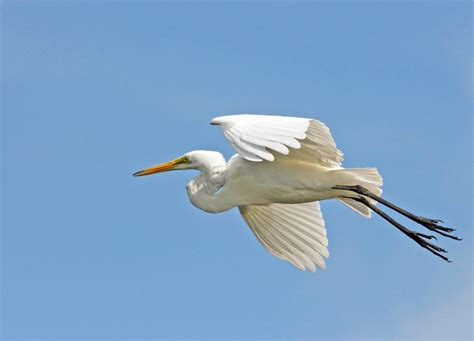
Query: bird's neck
[202, 189]
[214, 177]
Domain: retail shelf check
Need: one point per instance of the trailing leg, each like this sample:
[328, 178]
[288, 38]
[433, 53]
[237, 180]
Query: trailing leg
[430, 224]
[419, 238]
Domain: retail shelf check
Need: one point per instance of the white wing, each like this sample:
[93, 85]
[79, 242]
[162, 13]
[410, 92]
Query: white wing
[258, 137]
[294, 232]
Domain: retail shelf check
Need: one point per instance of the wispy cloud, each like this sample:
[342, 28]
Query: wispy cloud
[450, 318]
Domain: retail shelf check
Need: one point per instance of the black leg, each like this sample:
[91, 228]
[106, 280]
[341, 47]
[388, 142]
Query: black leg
[430, 224]
[419, 238]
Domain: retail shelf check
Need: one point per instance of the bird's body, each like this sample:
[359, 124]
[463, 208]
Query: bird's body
[221, 186]
[284, 167]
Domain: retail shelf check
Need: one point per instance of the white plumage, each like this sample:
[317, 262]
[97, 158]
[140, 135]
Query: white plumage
[255, 137]
[294, 232]
[284, 167]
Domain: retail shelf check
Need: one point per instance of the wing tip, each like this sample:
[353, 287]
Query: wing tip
[215, 121]
[311, 268]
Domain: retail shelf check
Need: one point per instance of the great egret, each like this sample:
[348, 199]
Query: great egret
[284, 167]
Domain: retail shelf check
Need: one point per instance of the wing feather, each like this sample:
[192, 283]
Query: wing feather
[256, 150]
[256, 137]
[273, 244]
[242, 151]
[293, 232]
[308, 246]
[278, 147]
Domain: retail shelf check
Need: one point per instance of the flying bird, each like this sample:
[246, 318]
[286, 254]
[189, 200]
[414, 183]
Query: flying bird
[283, 168]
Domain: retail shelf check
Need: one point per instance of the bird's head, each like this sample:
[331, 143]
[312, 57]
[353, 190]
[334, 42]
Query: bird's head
[203, 160]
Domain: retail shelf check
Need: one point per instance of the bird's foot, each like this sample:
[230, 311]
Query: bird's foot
[421, 239]
[432, 225]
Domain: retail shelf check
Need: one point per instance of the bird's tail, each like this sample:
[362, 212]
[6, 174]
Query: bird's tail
[365, 177]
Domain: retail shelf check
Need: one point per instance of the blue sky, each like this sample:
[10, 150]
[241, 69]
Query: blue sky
[93, 91]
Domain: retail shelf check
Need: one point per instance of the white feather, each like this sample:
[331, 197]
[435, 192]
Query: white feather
[294, 232]
[253, 136]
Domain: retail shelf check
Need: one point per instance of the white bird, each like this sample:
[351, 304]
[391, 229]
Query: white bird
[284, 167]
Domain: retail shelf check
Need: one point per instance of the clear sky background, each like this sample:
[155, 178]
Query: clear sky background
[92, 91]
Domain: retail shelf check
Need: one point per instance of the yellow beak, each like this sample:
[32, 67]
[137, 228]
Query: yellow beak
[164, 167]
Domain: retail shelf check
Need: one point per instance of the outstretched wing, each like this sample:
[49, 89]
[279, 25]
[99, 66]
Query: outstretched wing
[258, 137]
[293, 232]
